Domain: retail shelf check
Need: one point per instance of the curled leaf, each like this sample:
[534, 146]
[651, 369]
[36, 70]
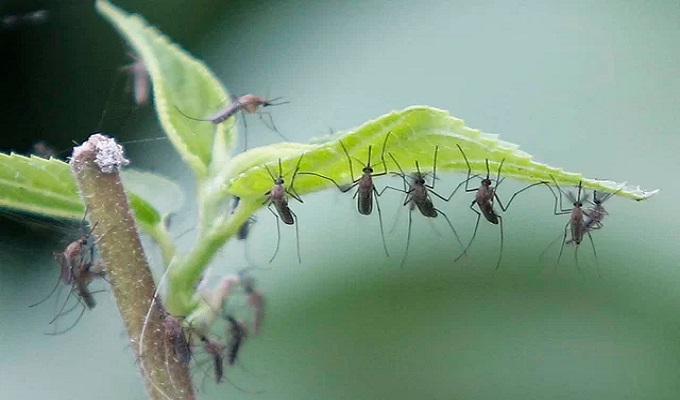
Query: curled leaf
[413, 135]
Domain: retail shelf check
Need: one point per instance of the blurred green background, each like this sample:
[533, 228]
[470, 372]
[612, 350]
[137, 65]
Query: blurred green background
[593, 88]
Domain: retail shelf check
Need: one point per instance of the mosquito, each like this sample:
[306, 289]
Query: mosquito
[141, 84]
[255, 300]
[485, 196]
[84, 298]
[216, 350]
[174, 332]
[595, 214]
[278, 197]
[418, 195]
[365, 188]
[76, 264]
[577, 220]
[237, 334]
[249, 103]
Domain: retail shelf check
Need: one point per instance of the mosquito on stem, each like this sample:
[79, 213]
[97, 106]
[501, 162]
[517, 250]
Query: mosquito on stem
[365, 187]
[485, 197]
[76, 265]
[174, 332]
[216, 350]
[418, 195]
[255, 300]
[237, 334]
[278, 197]
[249, 103]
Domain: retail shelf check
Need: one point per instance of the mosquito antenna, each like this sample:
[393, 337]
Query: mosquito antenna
[270, 173]
[434, 166]
[272, 102]
[498, 177]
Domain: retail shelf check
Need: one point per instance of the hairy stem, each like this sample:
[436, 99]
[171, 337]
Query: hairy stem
[95, 164]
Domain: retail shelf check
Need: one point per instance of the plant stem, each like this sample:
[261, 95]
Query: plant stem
[183, 279]
[95, 165]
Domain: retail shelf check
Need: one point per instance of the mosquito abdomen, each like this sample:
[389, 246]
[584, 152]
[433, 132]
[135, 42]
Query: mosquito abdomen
[488, 212]
[226, 112]
[577, 225]
[238, 333]
[427, 208]
[182, 348]
[365, 201]
[219, 367]
[85, 294]
[284, 213]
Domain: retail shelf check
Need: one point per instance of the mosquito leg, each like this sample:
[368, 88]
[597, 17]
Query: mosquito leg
[48, 296]
[474, 233]
[59, 313]
[297, 236]
[342, 189]
[448, 221]
[408, 239]
[382, 229]
[505, 208]
[467, 189]
[564, 239]
[500, 252]
[597, 263]
[278, 233]
[70, 327]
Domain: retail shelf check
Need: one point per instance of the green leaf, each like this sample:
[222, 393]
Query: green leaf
[179, 81]
[39, 186]
[147, 217]
[414, 134]
[46, 187]
[162, 194]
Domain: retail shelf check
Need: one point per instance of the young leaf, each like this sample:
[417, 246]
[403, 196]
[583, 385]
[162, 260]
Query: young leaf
[39, 186]
[46, 187]
[179, 82]
[413, 135]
